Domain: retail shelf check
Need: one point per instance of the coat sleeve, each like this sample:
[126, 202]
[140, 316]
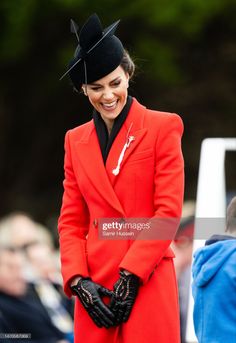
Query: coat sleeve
[143, 256]
[72, 225]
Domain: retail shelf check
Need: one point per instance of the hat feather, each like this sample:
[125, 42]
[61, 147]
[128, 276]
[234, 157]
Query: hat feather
[74, 28]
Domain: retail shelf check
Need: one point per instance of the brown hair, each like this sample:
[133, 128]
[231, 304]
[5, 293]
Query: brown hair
[127, 64]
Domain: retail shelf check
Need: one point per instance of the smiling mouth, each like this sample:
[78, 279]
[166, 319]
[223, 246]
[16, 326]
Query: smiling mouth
[110, 106]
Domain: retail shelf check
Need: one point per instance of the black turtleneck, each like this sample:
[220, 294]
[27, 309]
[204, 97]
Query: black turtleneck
[105, 140]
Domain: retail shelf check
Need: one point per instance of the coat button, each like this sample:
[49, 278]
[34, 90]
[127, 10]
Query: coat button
[95, 222]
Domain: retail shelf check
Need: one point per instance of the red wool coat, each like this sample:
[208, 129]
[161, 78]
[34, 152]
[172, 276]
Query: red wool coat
[150, 184]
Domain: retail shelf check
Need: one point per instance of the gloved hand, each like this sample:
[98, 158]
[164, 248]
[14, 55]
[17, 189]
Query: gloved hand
[125, 292]
[89, 294]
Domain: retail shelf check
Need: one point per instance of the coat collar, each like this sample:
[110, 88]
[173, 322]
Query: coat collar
[91, 160]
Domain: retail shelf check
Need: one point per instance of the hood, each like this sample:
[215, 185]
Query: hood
[209, 259]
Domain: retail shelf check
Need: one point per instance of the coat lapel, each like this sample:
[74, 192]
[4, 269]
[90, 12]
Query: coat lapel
[90, 156]
[90, 159]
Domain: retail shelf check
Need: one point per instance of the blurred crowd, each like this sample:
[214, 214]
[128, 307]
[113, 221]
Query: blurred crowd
[32, 302]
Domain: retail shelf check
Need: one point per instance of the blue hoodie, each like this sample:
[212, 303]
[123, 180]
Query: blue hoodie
[214, 291]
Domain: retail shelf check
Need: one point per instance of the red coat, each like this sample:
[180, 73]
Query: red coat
[150, 184]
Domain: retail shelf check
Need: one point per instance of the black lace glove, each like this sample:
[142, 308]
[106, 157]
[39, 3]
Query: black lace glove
[89, 294]
[125, 292]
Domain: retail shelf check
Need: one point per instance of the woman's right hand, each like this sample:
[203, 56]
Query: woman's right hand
[90, 295]
[124, 295]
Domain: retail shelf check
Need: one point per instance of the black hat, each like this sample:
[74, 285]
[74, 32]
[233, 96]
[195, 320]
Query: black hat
[98, 53]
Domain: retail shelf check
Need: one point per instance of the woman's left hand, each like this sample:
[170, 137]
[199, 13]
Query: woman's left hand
[125, 293]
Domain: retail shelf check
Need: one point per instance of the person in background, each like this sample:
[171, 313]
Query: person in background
[183, 249]
[124, 163]
[29, 301]
[21, 311]
[214, 285]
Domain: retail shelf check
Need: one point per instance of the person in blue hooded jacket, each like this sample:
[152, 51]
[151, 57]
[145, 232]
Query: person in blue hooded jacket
[214, 285]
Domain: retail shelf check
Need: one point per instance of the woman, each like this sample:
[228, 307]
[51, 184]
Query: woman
[125, 163]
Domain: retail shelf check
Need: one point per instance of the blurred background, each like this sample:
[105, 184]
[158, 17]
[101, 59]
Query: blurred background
[185, 52]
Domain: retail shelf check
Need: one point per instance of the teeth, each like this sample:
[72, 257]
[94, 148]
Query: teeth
[110, 104]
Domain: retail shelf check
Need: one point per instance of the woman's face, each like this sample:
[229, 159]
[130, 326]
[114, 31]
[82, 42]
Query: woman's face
[108, 95]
